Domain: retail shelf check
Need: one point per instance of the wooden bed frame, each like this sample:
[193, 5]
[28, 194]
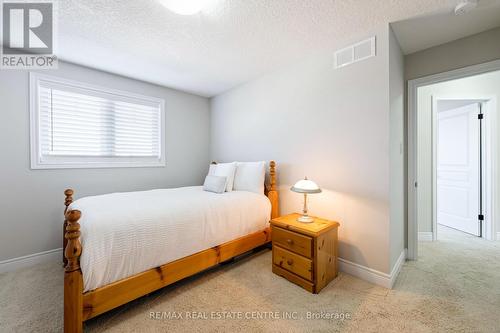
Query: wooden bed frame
[80, 306]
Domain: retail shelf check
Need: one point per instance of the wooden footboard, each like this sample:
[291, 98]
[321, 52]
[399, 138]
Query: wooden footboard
[80, 306]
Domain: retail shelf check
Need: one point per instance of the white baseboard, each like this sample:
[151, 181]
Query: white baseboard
[397, 267]
[425, 236]
[371, 275]
[365, 273]
[29, 260]
[498, 236]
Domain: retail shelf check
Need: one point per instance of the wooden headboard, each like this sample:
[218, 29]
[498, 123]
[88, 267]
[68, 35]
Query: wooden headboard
[270, 189]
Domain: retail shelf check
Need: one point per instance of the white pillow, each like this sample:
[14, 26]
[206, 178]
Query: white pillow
[216, 184]
[225, 170]
[250, 176]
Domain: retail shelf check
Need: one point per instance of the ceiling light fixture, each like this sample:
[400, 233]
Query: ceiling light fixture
[185, 7]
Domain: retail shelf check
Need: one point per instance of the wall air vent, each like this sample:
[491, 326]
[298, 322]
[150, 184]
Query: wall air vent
[356, 52]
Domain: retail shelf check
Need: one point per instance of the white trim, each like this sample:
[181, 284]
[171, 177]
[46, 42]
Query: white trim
[30, 260]
[88, 162]
[412, 173]
[413, 85]
[426, 236]
[434, 152]
[372, 275]
[498, 236]
[397, 268]
[346, 266]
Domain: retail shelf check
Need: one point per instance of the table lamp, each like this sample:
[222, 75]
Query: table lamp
[305, 186]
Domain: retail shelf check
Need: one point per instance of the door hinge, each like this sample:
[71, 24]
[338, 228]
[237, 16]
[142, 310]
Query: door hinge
[480, 116]
[416, 184]
[480, 217]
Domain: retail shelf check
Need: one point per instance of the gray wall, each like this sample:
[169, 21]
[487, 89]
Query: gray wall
[472, 50]
[31, 201]
[331, 125]
[397, 161]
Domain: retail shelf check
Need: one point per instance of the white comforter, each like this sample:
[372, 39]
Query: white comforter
[127, 233]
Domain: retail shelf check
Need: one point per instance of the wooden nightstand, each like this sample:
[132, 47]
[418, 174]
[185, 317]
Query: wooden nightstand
[305, 253]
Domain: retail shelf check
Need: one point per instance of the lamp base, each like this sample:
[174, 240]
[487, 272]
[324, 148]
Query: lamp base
[305, 219]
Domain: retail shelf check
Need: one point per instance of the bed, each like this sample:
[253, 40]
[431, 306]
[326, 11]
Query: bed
[121, 246]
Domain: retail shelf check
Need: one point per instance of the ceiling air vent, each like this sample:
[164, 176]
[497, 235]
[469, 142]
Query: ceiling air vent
[356, 52]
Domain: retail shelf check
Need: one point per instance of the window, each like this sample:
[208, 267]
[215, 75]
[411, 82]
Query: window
[75, 125]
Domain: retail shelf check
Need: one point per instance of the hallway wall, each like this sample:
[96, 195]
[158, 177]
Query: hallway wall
[468, 51]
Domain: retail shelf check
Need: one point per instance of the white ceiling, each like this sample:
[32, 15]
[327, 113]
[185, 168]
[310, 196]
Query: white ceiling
[426, 31]
[226, 45]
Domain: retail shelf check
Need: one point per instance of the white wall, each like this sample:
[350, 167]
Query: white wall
[466, 88]
[397, 162]
[31, 201]
[331, 125]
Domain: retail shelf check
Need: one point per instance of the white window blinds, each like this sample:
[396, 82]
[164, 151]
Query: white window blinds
[85, 126]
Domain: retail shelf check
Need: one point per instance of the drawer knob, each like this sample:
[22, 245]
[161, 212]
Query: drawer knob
[289, 241]
[289, 262]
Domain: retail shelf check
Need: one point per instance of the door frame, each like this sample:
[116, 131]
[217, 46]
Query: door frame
[489, 105]
[413, 86]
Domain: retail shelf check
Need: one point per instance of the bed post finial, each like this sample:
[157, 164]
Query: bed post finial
[272, 176]
[73, 248]
[272, 193]
[69, 199]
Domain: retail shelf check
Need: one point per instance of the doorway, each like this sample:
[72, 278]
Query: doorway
[452, 177]
[459, 165]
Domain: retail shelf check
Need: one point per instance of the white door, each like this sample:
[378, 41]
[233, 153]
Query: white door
[458, 168]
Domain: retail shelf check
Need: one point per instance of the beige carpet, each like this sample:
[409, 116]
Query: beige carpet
[454, 287]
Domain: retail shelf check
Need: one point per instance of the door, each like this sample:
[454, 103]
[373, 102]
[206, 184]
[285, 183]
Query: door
[458, 170]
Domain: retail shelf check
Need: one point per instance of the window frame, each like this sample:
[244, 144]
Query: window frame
[87, 162]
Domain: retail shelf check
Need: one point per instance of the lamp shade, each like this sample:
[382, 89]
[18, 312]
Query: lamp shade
[306, 186]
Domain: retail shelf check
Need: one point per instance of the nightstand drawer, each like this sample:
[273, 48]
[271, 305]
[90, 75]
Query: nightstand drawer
[292, 262]
[293, 241]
